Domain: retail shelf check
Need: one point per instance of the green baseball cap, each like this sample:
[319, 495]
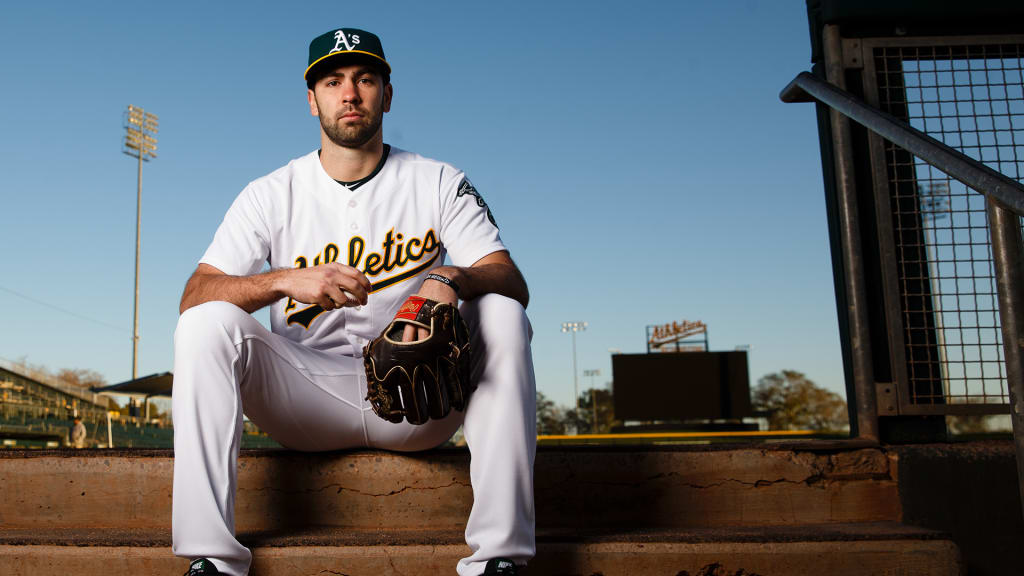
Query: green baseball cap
[347, 42]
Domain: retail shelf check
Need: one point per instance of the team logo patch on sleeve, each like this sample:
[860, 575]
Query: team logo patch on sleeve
[466, 188]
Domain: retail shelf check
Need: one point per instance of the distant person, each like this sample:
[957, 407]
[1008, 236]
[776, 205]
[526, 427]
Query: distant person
[78, 433]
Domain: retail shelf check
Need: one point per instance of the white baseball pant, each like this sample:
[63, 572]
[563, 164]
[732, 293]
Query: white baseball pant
[225, 362]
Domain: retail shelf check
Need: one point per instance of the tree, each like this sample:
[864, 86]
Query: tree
[550, 416]
[81, 378]
[37, 371]
[792, 401]
[85, 379]
[605, 412]
[575, 422]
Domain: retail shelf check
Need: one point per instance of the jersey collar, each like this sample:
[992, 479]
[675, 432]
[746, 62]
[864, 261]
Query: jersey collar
[353, 185]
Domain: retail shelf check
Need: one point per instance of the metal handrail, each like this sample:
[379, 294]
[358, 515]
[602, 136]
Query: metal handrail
[1008, 192]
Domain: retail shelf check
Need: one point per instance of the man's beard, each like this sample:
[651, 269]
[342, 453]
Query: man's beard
[352, 135]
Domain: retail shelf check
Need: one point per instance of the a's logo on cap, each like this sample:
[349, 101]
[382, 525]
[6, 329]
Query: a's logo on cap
[343, 41]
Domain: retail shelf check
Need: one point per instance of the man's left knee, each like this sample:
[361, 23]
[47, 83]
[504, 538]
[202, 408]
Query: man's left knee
[494, 315]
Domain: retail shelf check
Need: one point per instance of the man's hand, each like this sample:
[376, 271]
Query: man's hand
[330, 285]
[432, 290]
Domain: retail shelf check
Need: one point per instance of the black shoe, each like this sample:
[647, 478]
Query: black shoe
[203, 567]
[501, 567]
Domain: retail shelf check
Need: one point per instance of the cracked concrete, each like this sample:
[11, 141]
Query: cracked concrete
[744, 492]
[391, 563]
[738, 487]
[284, 490]
[341, 489]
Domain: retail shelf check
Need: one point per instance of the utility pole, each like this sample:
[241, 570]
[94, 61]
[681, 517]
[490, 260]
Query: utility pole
[593, 397]
[139, 142]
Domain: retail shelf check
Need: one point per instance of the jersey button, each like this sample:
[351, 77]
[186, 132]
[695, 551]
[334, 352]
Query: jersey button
[354, 226]
[352, 203]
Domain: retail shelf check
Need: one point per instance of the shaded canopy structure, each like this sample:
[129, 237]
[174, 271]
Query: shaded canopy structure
[145, 388]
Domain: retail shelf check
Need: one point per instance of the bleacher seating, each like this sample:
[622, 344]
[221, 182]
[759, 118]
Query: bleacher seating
[125, 433]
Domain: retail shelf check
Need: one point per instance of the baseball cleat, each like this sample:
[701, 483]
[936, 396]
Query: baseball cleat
[203, 567]
[501, 567]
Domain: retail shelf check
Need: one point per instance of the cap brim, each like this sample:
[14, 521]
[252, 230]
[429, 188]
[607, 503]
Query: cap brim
[350, 53]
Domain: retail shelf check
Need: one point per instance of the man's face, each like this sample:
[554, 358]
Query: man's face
[351, 102]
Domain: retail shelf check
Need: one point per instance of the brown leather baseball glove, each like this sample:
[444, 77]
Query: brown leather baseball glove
[422, 379]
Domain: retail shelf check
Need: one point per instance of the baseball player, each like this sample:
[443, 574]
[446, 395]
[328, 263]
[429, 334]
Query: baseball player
[349, 231]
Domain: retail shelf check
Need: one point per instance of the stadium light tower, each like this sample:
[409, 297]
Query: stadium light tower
[574, 327]
[935, 206]
[140, 128]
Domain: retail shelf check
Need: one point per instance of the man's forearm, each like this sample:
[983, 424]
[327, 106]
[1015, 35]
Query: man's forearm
[498, 278]
[331, 286]
[250, 293]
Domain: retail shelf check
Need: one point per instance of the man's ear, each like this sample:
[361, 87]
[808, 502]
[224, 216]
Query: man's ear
[313, 109]
[388, 93]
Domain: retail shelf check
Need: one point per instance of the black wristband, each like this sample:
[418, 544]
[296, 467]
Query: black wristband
[444, 280]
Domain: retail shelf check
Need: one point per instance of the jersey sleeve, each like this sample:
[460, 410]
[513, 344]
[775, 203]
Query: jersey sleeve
[468, 229]
[242, 242]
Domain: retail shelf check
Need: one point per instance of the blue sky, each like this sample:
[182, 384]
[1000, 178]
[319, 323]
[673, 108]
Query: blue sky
[638, 161]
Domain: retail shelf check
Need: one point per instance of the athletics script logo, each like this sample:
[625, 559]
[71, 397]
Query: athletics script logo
[343, 41]
[408, 255]
[467, 188]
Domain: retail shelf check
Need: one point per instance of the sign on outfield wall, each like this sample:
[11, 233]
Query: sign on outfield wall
[685, 336]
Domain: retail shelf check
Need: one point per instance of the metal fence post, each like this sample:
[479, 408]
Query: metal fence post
[1008, 256]
[860, 335]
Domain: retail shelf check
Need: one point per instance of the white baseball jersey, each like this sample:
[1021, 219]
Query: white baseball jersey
[394, 226]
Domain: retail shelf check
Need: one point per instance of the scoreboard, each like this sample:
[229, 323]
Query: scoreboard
[681, 386]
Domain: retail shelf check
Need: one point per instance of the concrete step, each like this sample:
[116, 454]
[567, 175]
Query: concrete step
[678, 488]
[834, 549]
